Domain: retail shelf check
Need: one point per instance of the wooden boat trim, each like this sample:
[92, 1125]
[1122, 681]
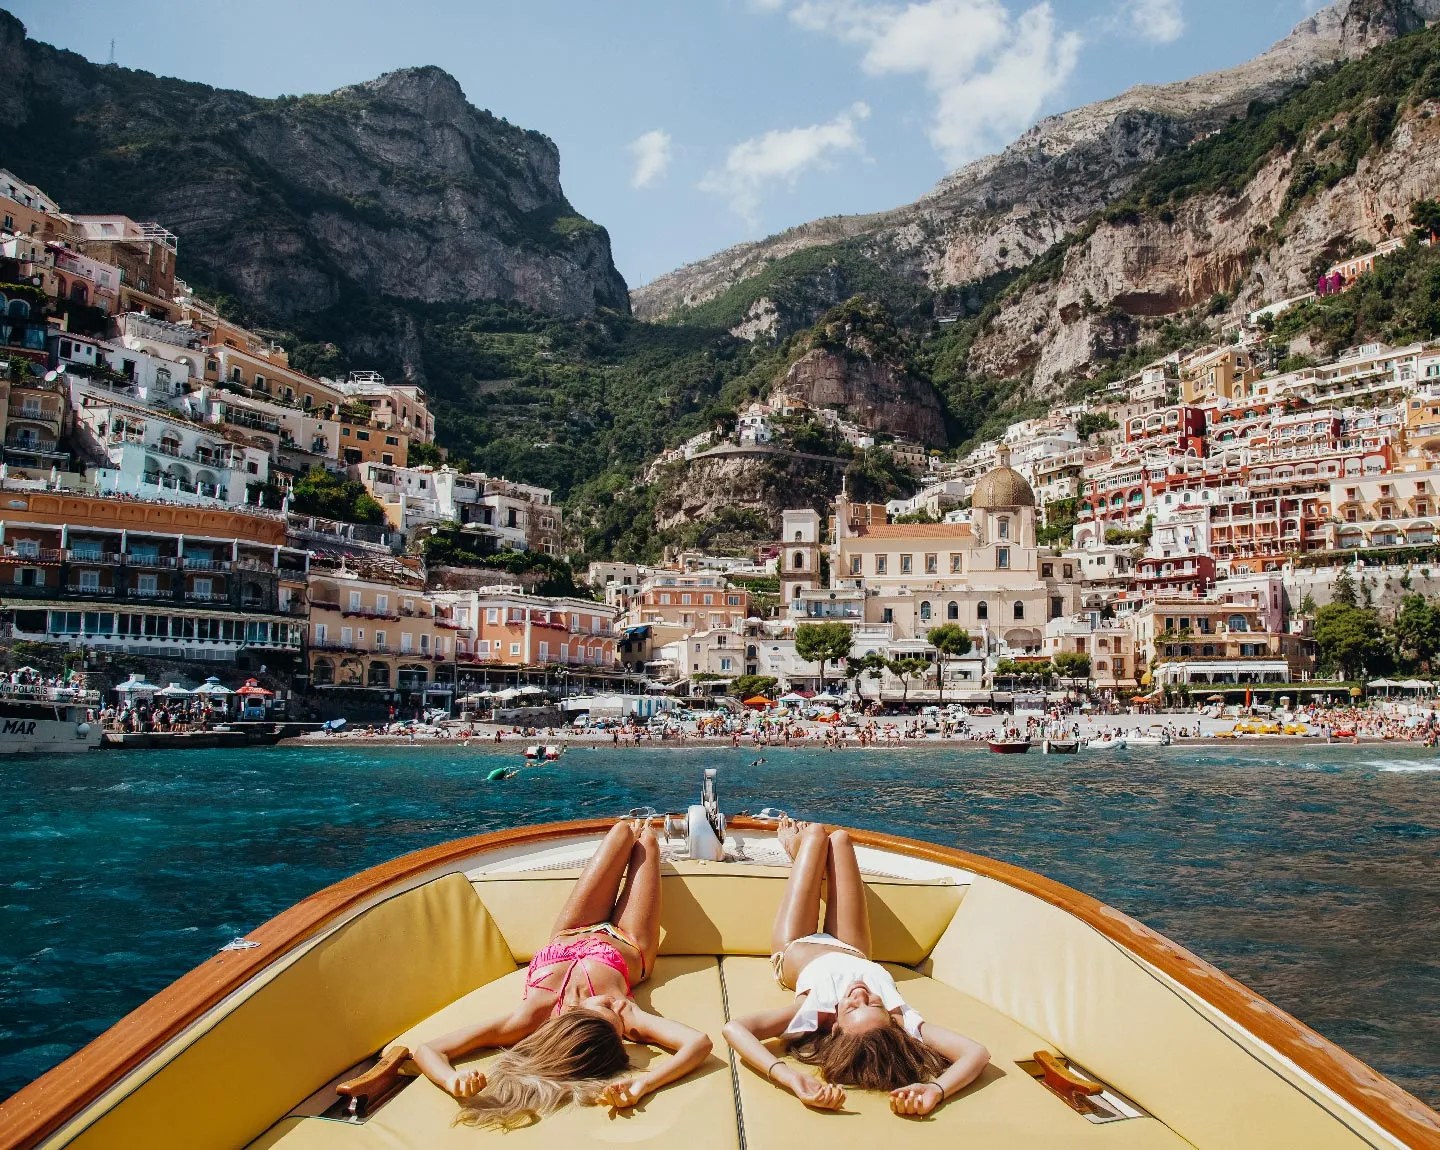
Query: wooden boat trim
[42, 1108]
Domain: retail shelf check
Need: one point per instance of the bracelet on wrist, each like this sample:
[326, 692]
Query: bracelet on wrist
[770, 1069]
[935, 1082]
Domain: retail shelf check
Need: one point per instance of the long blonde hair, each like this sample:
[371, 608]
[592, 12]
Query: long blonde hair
[571, 1058]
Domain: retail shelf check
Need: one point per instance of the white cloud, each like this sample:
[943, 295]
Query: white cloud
[1159, 21]
[989, 72]
[781, 157]
[652, 157]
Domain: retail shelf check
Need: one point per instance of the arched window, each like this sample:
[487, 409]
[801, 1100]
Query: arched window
[798, 562]
[799, 537]
[982, 610]
[952, 611]
[1236, 623]
[1003, 528]
[925, 610]
[1019, 609]
[796, 594]
[19, 309]
[324, 671]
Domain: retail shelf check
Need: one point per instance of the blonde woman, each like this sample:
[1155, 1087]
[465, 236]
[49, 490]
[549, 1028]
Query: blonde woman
[848, 1017]
[565, 1037]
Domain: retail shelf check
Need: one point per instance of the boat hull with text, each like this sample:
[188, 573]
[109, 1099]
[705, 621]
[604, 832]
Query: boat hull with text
[249, 1049]
[46, 726]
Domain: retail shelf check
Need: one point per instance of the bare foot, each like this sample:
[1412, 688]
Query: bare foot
[788, 832]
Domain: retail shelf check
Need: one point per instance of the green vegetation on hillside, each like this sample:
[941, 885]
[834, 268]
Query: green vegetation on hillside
[320, 493]
[1333, 120]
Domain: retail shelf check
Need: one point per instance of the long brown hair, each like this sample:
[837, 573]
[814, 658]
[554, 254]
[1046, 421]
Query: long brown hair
[884, 1058]
[571, 1058]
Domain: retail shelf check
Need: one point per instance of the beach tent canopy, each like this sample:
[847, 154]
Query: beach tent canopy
[792, 697]
[1417, 685]
[135, 687]
[253, 687]
[175, 691]
[213, 686]
[758, 701]
[1383, 683]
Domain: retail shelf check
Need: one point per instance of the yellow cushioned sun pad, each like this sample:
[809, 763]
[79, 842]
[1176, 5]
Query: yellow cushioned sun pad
[694, 1114]
[342, 999]
[1004, 1110]
[1119, 1019]
[724, 908]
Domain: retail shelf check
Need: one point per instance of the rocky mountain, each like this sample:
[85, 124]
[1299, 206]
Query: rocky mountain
[395, 188]
[998, 214]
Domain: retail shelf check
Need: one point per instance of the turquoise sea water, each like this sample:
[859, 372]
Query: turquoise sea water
[1310, 873]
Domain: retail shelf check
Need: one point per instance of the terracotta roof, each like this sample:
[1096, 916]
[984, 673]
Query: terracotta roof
[913, 530]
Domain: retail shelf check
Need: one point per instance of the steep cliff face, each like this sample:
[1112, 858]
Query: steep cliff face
[397, 187]
[1216, 244]
[874, 394]
[998, 213]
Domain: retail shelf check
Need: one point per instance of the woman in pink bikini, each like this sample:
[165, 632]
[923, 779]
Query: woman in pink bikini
[565, 1037]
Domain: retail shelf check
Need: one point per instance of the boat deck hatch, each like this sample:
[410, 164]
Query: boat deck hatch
[1080, 1090]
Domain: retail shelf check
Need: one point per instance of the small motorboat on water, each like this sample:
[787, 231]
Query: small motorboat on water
[1101, 1031]
[1060, 746]
[1009, 746]
[1106, 743]
[1162, 739]
[549, 752]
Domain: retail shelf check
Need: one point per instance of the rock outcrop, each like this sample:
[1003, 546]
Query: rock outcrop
[1000, 212]
[396, 187]
[765, 480]
[873, 394]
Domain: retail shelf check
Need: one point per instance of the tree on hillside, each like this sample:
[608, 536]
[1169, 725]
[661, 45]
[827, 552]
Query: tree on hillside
[906, 669]
[1348, 638]
[821, 642]
[1417, 630]
[320, 493]
[1343, 592]
[952, 641]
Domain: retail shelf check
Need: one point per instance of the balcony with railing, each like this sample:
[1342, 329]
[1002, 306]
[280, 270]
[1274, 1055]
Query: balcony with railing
[207, 596]
[154, 562]
[242, 418]
[32, 414]
[94, 589]
[94, 558]
[201, 563]
[29, 555]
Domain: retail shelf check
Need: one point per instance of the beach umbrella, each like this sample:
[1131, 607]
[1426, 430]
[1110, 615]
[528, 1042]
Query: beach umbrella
[1215, 698]
[759, 701]
[1383, 683]
[792, 697]
[1416, 685]
[27, 670]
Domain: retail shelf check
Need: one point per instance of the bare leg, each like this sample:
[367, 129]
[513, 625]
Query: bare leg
[599, 883]
[800, 908]
[846, 915]
[637, 912]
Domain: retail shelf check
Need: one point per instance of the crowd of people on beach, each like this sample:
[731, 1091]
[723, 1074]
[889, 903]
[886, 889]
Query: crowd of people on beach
[142, 717]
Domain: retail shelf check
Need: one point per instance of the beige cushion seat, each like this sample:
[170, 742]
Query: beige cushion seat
[695, 1114]
[1006, 1109]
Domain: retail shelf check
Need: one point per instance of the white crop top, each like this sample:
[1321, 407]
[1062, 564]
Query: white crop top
[826, 979]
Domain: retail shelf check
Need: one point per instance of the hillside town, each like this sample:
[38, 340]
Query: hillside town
[1166, 538]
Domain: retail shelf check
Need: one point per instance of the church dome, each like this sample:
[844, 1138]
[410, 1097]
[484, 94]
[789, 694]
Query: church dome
[1002, 487]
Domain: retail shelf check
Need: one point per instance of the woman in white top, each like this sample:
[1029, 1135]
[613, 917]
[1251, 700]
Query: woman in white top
[848, 1017]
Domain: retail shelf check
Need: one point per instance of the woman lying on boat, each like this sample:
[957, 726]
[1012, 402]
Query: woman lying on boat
[848, 1018]
[565, 1037]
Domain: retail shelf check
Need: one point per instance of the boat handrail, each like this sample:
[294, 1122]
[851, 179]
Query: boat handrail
[45, 693]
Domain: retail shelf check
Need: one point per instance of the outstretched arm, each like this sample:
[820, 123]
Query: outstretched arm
[747, 1036]
[689, 1047]
[967, 1059]
[435, 1057]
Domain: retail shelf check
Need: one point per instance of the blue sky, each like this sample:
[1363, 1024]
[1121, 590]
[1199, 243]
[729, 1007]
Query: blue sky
[685, 126]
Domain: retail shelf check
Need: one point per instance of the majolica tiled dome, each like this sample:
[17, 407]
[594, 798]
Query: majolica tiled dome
[1002, 487]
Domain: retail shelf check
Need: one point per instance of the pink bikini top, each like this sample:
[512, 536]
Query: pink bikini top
[578, 952]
